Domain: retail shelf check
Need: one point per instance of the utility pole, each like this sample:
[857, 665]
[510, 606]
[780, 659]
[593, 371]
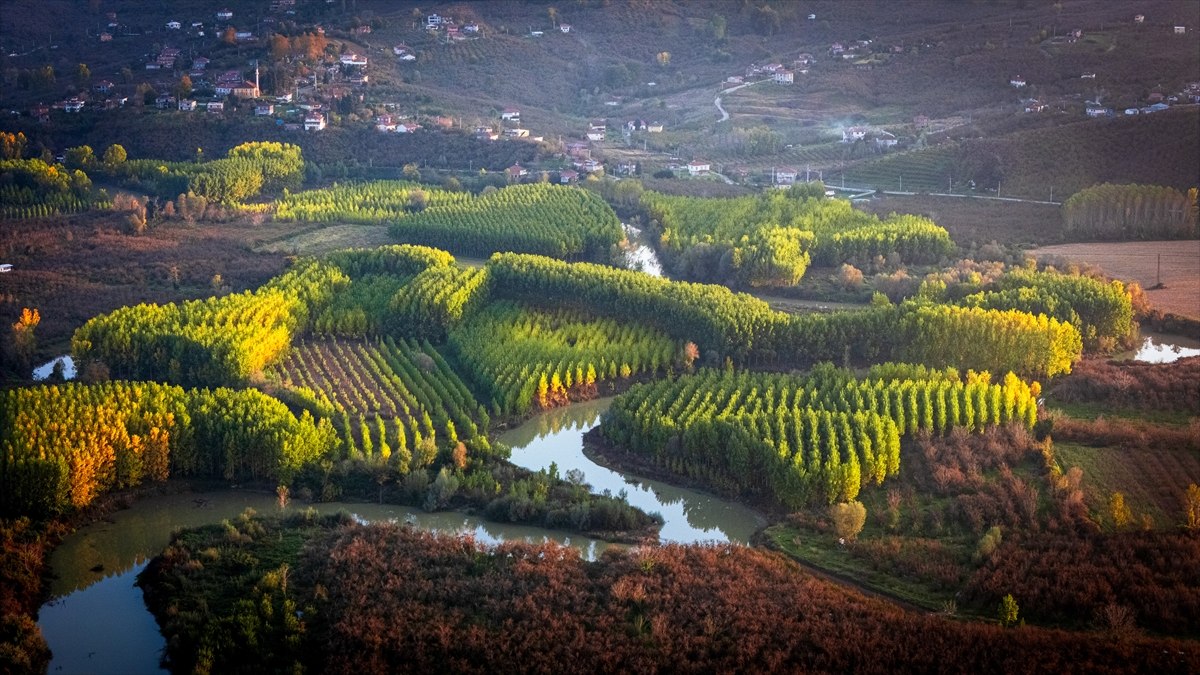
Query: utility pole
[902, 182]
[1052, 193]
[1158, 277]
[997, 189]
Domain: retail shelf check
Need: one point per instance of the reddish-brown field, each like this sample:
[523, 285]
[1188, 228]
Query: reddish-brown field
[979, 221]
[73, 268]
[1139, 261]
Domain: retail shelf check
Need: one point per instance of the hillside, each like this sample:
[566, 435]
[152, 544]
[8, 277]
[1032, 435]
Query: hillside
[666, 62]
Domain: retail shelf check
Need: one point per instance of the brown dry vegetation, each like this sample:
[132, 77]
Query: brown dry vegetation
[391, 598]
[74, 268]
[1138, 261]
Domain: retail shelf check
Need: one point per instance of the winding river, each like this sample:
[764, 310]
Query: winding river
[96, 621]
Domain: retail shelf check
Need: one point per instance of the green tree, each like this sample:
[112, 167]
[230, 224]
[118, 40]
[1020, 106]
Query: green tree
[1120, 511]
[716, 26]
[23, 337]
[114, 156]
[1008, 611]
[81, 157]
[1191, 506]
[12, 146]
[848, 519]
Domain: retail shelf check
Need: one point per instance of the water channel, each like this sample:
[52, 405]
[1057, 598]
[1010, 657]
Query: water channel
[96, 621]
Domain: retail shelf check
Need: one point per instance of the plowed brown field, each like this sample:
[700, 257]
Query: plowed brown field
[1139, 261]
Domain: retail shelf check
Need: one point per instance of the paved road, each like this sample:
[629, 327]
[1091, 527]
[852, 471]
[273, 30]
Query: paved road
[717, 100]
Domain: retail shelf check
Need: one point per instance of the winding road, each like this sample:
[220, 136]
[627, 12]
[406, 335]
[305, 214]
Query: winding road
[717, 100]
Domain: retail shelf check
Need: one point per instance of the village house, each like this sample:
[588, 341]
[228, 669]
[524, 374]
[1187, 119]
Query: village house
[698, 167]
[385, 123]
[568, 176]
[884, 139]
[352, 59]
[564, 27]
[785, 175]
[103, 86]
[106, 37]
[1035, 106]
[851, 134]
[200, 62]
[243, 36]
[314, 122]
[516, 172]
[595, 135]
[654, 127]
[1017, 82]
[1180, 30]
[1097, 110]
[598, 125]
[165, 101]
[264, 109]
[174, 25]
[1087, 76]
[578, 149]
[187, 105]
[516, 132]
[627, 168]
[434, 21]
[215, 106]
[364, 29]
[73, 105]
[511, 115]
[472, 28]
[1139, 18]
[407, 127]
[225, 14]
[783, 77]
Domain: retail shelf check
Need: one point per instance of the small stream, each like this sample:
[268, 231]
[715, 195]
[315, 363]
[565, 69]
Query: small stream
[97, 622]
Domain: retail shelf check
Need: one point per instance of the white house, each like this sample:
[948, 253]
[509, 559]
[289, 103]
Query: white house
[785, 176]
[73, 106]
[511, 115]
[564, 27]
[352, 59]
[516, 133]
[314, 122]
[884, 139]
[187, 105]
[851, 134]
[174, 25]
[224, 15]
[1139, 18]
[1180, 30]
[215, 106]
[264, 109]
[595, 135]
[783, 76]
[698, 167]
[1017, 82]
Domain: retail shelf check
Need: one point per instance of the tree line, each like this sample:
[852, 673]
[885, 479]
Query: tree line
[796, 439]
[64, 445]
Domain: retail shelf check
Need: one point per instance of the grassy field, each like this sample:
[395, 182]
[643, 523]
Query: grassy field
[1153, 480]
[1139, 261]
[317, 240]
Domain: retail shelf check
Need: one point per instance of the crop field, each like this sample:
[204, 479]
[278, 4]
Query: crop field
[1152, 479]
[978, 221]
[405, 383]
[1139, 261]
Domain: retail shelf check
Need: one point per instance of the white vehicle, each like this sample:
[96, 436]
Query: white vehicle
[6, 267]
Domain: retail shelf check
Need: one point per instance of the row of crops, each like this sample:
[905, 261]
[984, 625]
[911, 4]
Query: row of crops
[525, 358]
[389, 397]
